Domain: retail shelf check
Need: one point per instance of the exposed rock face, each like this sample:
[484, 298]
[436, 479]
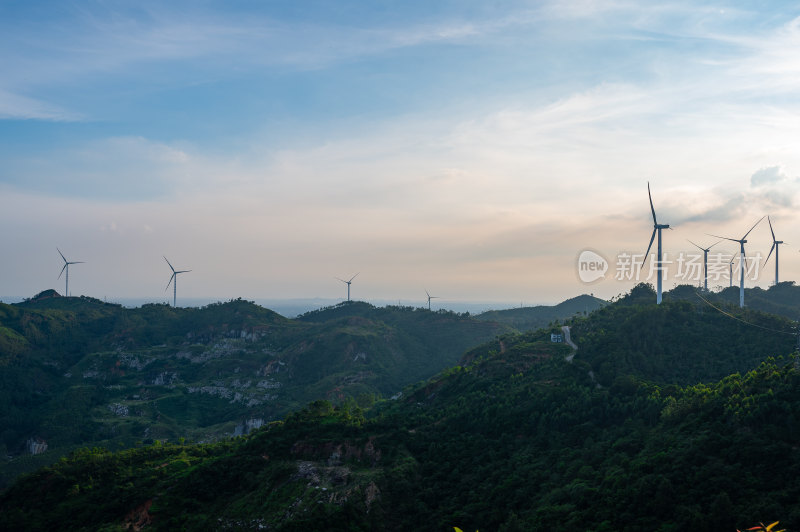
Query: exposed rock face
[119, 409]
[336, 453]
[139, 517]
[329, 480]
[371, 494]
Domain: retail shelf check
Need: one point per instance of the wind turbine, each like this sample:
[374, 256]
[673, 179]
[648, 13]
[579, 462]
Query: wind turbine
[429, 298]
[66, 268]
[730, 272]
[705, 260]
[775, 245]
[348, 284]
[742, 258]
[657, 227]
[174, 280]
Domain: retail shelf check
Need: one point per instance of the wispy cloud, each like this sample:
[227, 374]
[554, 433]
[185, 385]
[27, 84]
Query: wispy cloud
[127, 169]
[14, 106]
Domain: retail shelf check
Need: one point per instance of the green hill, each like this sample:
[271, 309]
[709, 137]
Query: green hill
[681, 341]
[783, 299]
[532, 318]
[637, 432]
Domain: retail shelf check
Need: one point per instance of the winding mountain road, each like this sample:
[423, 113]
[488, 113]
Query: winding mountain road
[567, 338]
[569, 342]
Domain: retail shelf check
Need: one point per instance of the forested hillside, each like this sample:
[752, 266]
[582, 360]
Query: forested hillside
[681, 341]
[79, 372]
[519, 436]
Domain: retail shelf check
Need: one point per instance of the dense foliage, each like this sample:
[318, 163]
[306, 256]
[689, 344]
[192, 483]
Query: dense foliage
[520, 436]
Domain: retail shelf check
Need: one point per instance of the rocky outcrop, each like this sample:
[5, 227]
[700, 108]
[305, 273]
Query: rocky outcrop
[336, 453]
[139, 517]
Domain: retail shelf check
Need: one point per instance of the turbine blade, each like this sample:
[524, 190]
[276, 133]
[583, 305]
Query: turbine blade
[427, 294]
[695, 245]
[724, 238]
[170, 281]
[170, 265]
[62, 270]
[353, 277]
[342, 280]
[62, 255]
[648, 248]
[770, 229]
[754, 226]
[770, 253]
[714, 244]
[651, 203]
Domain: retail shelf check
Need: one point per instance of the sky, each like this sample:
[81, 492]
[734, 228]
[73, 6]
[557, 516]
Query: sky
[473, 149]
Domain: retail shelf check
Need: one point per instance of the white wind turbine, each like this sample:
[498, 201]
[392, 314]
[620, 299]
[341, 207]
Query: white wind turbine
[775, 245]
[348, 284]
[66, 268]
[705, 261]
[174, 281]
[657, 227]
[429, 298]
[742, 258]
[730, 272]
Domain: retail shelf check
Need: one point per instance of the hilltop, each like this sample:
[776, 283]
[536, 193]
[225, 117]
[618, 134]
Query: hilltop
[532, 318]
[667, 418]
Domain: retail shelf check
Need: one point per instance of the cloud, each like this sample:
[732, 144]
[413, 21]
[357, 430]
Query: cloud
[14, 106]
[118, 169]
[768, 176]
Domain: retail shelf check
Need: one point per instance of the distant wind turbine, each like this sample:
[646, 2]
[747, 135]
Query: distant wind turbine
[429, 298]
[775, 245]
[705, 260]
[657, 227]
[348, 284]
[742, 258]
[730, 272]
[174, 281]
[66, 269]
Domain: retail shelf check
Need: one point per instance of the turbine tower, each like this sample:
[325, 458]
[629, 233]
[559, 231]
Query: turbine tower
[66, 268]
[429, 298]
[775, 245]
[348, 284]
[705, 261]
[742, 258]
[657, 227]
[174, 281]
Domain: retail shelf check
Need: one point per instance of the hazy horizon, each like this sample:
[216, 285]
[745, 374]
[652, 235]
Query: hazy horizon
[292, 307]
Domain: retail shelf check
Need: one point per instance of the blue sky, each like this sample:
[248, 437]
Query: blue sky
[470, 148]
